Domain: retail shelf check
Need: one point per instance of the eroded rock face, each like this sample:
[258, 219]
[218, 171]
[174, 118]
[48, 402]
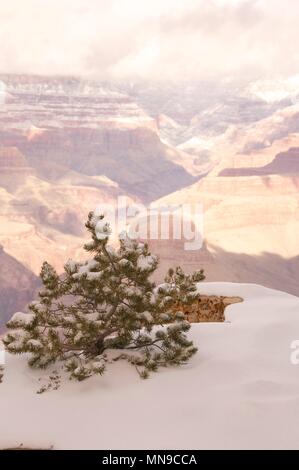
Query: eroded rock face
[11, 157]
[284, 163]
[90, 129]
[41, 220]
[67, 147]
[133, 157]
[14, 168]
[17, 286]
[250, 224]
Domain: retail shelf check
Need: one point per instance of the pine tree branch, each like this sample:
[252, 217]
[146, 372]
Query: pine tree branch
[109, 257]
[145, 345]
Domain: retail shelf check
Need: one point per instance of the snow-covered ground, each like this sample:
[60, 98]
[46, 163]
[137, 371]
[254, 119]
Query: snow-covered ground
[239, 391]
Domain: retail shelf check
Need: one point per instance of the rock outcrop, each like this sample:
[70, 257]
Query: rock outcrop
[17, 286]
[208, 308]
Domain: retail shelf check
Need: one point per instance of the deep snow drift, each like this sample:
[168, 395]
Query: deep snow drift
[239, 391]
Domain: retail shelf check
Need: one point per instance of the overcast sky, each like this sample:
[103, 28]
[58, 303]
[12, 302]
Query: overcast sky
[154, 39]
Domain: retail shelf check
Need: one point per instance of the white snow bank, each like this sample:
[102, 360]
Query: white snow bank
[239, 391]
[22, 318]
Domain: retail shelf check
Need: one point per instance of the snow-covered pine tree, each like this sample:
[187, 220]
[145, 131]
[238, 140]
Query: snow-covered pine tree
[106, 303]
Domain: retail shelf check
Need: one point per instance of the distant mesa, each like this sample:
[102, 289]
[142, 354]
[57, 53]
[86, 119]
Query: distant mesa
[285, 163]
